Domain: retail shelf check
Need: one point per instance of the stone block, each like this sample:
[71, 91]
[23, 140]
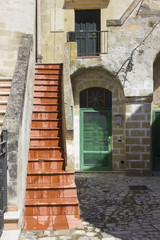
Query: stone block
[138, 149]
[146, 125]
[133, 140]
[137, 164]
[139, 117]
[132, 125]
[137, 133]
[132, 156]
[146, 141]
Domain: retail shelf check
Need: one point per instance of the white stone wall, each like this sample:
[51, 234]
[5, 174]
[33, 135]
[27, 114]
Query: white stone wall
[16, 17]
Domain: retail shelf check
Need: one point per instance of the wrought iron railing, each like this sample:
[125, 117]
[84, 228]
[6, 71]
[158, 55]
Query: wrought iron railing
[3, 178]
[89, 43]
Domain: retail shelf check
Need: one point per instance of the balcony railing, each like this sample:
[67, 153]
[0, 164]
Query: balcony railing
[89, 43]
[3, 178]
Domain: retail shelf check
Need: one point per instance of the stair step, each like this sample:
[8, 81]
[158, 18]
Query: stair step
[45, 166]
[52, 94]
[45, 153]
[49, 186]
[45, 142]
[46, 101]
[51, 210]
[52, 201]
[47, 88]
[45, 116]
[49, 172]
[4, 93]
[49, 178]
[48, 71]
[45, 133]
[46, 108]
[47, 83]
[32, 223]
[47, 77]
[46, 124]
[46, 159]
[48, 66]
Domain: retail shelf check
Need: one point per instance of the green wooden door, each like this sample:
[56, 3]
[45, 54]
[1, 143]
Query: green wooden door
[96, 140]
[87, 23]
[156, 140]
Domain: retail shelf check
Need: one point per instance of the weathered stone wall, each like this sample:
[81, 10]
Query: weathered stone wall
[17, 17]
[17, 122]
[156, 83]
[138, 120]
[99, 77]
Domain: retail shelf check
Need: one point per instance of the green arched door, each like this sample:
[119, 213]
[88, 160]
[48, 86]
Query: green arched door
[96, 130]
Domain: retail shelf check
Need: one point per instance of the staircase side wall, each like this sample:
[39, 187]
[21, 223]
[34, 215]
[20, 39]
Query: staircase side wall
[17, 122]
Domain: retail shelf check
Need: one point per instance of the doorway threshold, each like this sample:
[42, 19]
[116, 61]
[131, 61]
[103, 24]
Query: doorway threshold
[106, 172]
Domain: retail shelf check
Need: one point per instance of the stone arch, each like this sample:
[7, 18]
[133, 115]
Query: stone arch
[99, 77]
[156, 82]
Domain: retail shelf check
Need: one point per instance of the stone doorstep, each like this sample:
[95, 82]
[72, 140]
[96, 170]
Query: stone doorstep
[11, 219]
[11, 235]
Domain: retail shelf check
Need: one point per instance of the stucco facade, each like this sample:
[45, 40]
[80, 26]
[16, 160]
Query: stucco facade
[126, 69]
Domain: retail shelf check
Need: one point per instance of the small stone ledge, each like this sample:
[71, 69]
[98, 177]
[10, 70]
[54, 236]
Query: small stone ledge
[139, 99]
[120, 22]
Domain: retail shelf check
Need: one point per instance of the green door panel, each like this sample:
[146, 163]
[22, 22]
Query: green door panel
[95, 139]
[156, 140]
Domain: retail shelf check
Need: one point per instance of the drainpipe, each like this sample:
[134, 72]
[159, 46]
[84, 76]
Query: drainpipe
[38, 32]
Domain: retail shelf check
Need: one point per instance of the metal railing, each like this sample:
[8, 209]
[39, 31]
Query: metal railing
[89, 43]
[3, 178]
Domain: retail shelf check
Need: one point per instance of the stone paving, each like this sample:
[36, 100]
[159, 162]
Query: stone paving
[111, 210]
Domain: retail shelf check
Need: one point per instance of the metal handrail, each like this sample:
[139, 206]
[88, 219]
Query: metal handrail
[96, 38]
[3, 178]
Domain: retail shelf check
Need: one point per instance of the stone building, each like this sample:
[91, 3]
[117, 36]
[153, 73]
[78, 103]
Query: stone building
[111, 84]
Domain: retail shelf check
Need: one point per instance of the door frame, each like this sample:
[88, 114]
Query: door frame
[87, 34]
[154, 140]
[88, 168]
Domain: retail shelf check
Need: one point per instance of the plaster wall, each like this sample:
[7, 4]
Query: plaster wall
[17, 18]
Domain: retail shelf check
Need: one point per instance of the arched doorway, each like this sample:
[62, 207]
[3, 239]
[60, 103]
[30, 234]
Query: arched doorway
[95, 129]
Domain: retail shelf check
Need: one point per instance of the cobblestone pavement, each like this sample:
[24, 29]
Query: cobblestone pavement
[111, 210]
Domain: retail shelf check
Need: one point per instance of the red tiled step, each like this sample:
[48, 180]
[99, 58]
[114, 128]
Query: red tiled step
[46, 124]
[49, 186]
[46, 101]
[48, 66]
[52, 210]
[47, 77]
[47, 94]
[45, 153]
[32, 223]
[45, 166]
[48, 71]
[47, 88]
[48, 177]
[46, 132]
[47, 108]
[46, 115]
[52, 201]
[45, 142]
[46, 83]
[45, 193]
[46, 159]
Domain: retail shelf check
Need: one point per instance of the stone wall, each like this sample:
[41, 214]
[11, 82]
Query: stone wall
[17, 17]
[138, 134]
[17, 122]
[99, 77]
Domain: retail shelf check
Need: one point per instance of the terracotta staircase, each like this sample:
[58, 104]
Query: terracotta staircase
[51, 197]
